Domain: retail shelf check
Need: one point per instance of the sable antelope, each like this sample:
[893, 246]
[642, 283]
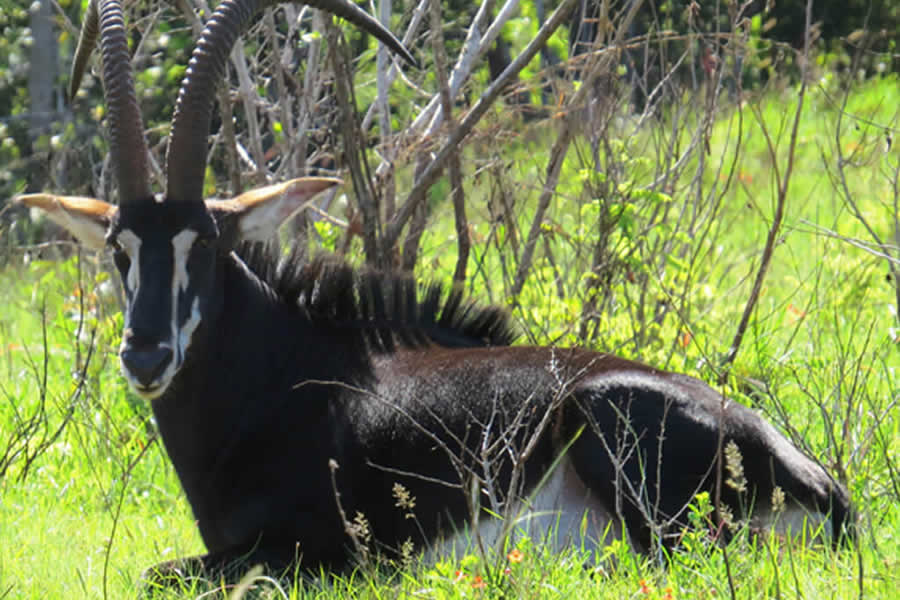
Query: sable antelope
[264, 373]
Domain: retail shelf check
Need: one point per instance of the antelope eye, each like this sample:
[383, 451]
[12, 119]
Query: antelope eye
[114, 244]
[204, 241]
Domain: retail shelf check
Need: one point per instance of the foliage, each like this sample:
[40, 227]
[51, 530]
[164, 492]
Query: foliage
[648, 249]
[838, 25]
[821, 361]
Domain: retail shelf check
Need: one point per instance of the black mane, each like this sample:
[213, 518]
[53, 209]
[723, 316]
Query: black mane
[383, 307]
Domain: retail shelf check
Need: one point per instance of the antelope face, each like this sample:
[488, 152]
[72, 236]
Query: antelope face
[166, 254]
[170, 256]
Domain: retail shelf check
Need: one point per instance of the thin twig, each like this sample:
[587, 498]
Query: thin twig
[554, 168]
[348, 527]
[454, 167]
[782, 184]
[412, 30]
[490, 95]
[382, 63]
[354, 147]
[126, 476]
[601, 62]
[249, 97]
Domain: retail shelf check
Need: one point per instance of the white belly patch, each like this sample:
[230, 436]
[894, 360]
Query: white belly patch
[562, 513]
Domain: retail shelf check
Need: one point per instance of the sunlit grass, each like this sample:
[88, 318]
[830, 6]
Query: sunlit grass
[820, 359]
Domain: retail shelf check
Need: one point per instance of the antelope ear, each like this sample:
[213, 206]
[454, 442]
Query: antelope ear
[85, 218]
[260, 212]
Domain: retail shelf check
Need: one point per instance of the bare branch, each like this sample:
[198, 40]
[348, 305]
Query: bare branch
[782, 181]
[415, 22]
[454, 165]
[490, 95]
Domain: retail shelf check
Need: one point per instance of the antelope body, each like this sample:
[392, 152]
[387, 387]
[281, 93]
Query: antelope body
[291, 397]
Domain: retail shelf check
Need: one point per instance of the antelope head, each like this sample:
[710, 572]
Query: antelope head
[170, 249]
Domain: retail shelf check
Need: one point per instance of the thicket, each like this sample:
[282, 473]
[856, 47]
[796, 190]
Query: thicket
[49, 140]
[711, 188]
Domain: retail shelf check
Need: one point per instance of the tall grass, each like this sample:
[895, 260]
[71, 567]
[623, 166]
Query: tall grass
[87, 512]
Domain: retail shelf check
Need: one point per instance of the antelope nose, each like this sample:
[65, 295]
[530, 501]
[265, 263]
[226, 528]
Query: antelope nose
[146, 364]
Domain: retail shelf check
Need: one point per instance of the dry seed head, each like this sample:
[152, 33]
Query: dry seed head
[778, 499]
[727, 516]
[735, 468]
[407, 550]
[360, 530]
[404, 499]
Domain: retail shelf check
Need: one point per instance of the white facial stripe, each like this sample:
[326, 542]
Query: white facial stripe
[181, 245]
[132, 246]
[183, 341]
[184, 337]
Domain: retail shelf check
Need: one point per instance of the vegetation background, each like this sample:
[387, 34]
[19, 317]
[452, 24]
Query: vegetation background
[712, 188]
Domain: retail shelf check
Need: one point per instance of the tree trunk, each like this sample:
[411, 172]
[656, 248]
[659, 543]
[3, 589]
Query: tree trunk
[41, 87]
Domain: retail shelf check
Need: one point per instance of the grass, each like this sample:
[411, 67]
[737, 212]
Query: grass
[101, 503]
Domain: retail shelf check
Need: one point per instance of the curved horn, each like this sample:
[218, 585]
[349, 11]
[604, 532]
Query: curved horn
[87, 39]
[186, 158]
[126, 129]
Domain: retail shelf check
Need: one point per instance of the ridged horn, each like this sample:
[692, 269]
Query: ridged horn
[126, 128]
[87, 39]
[186, 159]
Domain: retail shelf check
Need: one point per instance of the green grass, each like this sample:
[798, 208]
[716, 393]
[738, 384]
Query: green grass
[820, 358]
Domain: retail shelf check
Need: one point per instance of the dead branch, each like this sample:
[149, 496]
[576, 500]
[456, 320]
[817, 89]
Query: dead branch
[490, 95]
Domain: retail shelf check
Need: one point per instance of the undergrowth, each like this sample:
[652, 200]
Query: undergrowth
[88, 499]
